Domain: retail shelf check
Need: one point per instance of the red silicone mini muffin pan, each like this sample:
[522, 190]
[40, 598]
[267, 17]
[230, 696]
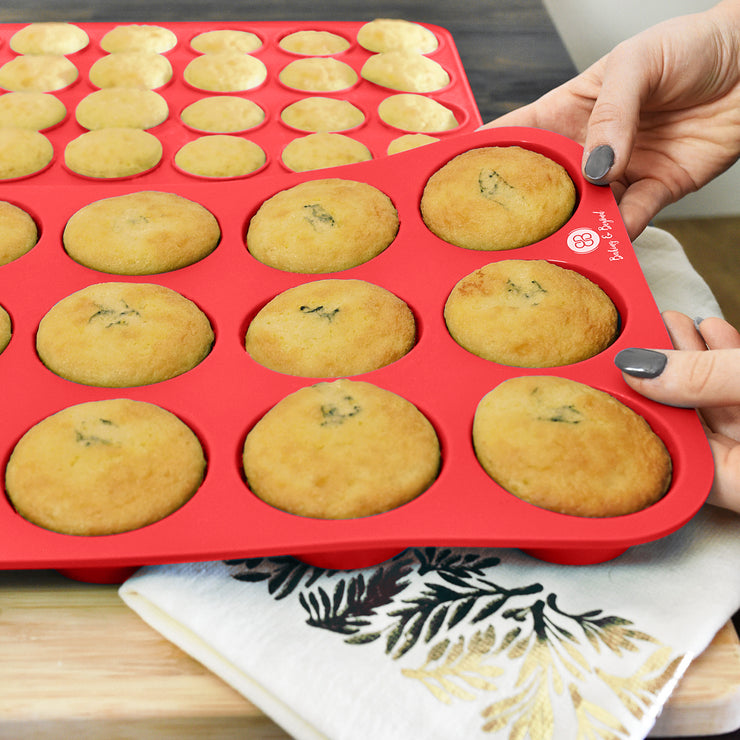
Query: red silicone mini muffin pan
[224, 396]
[272, 135]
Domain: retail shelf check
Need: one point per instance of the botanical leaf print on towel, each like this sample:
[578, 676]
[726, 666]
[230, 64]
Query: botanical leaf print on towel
[443, 615]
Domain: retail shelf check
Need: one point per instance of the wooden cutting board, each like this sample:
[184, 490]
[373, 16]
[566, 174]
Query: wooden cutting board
[75, 661]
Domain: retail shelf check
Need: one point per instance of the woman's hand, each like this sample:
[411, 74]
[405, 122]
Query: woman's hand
[702, 372]
[659, 116]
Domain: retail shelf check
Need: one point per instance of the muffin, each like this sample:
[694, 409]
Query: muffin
[32, 110]
[564, 446]
[341, 450]
[6, 329]
[225, 39]
[113, 152]
[222, 114]
[330, 328]
[318, 74]
[104, 467]
[18, 232]
[141, 233]
[322, 226]
[405, 71]
[135, 37]
[504, 198]
[49, 38]
[23, 152]
[418, 113]
[225, 72]
[37, 73]
[121, 107]
[409, 141]
[220, 155]
[144, 69]
[318, 114]
[320, 150]
[387, 34]
[117, 335]
[530, 313]
[313, 43]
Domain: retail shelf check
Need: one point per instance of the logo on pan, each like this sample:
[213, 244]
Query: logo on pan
[583, 241]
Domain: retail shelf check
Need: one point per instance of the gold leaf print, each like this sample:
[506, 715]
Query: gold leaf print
[587, 712]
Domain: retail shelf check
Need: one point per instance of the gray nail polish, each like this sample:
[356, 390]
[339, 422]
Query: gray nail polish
[698, 321]
[599, 163]
[641, 363]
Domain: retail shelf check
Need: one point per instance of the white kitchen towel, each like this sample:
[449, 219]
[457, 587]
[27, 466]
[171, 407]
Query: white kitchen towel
[464, 643]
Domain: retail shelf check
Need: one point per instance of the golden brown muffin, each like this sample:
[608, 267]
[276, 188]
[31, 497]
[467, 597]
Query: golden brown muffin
[144, 69]
[220, 155]
[104, 467]
[113, 152]
[6, 329]
[121, 107]
[411, 112]
[409, 141]
[317, 151]
[18, 232]
[37, 73]
[212, 42]
[313, 43]
[318, 74]
[341, 450]
[23, 152]
[318, 114]
[49, 38]
[117, 335]
[33, 110]
[405, 71]
[225, 71]
[387, 34]
[141, 233]
[330, 328]
[530, 313]
[504, 197]
[569, 448]
[322, 226]
[222, 114]
[135, 37]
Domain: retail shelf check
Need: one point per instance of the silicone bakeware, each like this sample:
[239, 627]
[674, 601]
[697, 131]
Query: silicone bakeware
[272, 135]
[224, 396]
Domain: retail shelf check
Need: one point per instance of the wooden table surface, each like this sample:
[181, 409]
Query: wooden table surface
[74, 660]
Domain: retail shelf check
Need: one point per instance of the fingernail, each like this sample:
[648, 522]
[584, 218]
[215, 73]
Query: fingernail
[599, 163]
[641, 363]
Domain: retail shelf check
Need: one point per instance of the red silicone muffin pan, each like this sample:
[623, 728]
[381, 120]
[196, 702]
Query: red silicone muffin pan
[228, 392]
[272, 135]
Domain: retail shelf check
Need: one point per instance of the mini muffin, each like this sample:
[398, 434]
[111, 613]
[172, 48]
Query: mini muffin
[104, 467]
[405, 71]
[113, 152]
[141, 233]
[569, 448]
[341, 450]
[121, 107]
[411, 112]
[6, 329]
[322, 226]
[318, 74]
[387, 34]
[23, 152]
[318, 114]
[18, 232]
[329, 328]
[495, 198]
[530, 313]
[117, 335]
[409, 141]
[32, 110]
[37, 73]
[49, 38]
[225, 72]
[314, 43]
[212, 42]
[222, 114]
[144, 69]
[220, 155]
[134, 37]
[316, 151]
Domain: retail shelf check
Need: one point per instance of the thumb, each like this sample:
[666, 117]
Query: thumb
[699, 379]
